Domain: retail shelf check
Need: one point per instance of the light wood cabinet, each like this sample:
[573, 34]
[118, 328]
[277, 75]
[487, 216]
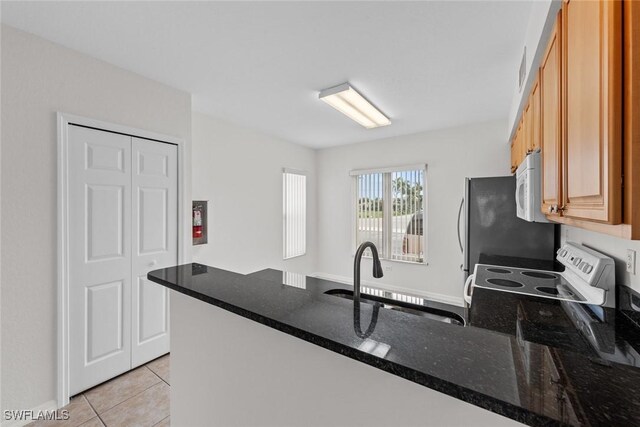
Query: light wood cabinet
[587, 97]
[518, 149]
[514, 156]
[526, 138]
[592, 110]
[526, 128]
[550, 79]
[631, 116]
[534, 129]
[521, 142]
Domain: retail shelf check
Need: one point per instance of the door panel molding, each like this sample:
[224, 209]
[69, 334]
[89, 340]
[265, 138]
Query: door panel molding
[102, 291]
[154, 245]
[115, 163]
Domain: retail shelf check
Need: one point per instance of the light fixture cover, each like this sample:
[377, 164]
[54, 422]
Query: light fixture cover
[349, 102]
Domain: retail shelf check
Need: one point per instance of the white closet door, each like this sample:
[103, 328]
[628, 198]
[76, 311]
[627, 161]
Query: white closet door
[99, 168]
[155, 244]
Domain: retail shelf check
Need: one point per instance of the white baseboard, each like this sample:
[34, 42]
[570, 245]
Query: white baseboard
[51, 405]
[432, 296]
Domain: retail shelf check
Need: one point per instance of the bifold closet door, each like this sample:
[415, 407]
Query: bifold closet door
[99, 236]
[155, 244]
[123, 223]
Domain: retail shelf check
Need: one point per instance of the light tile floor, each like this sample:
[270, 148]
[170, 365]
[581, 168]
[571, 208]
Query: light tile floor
[136, 398]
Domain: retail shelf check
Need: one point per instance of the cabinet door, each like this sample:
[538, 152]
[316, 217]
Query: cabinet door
[527, 128]
[534, 120]
[592, 68]
[522, 148]
[550, 120]
[514, 155]
[631, 115]
[516, 147]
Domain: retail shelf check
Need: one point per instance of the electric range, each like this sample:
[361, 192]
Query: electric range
[588, 278]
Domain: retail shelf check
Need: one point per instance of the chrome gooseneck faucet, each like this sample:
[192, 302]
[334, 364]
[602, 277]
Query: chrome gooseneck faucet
[377, 268]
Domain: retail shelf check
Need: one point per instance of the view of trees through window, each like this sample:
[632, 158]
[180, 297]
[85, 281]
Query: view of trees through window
[390, 213]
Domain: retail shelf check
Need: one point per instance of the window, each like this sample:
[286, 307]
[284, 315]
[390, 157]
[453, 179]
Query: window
[390, 211]
[294, 213]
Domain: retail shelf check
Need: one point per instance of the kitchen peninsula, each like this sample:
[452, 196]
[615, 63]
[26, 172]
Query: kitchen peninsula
[252, 349]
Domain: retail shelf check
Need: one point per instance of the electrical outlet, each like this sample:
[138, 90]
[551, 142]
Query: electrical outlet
[388, 268]
[631, 261]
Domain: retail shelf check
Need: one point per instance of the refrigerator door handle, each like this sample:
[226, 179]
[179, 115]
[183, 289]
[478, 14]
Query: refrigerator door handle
[459, 234]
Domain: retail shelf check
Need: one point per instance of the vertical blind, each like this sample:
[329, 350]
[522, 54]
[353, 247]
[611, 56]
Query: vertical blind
[370, 226]
[294, 195]
[390, 211]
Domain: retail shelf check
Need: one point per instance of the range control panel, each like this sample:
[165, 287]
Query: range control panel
[594, 268]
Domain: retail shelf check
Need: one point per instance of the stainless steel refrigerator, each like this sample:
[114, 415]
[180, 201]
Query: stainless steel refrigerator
[492, 228]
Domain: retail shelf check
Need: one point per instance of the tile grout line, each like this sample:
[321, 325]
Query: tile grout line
[124, 401]
[169, 385]
[94, 410]
[135, 395]
[162, 420]
[154, 373]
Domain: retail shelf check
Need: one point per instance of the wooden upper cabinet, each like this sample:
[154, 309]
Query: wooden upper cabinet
[592, 108]
[523, 140]
[534, 128]
[631, 115]
[550, 81]
[527, 128]
[520, 147]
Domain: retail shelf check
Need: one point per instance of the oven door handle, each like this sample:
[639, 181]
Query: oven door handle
[467, 287]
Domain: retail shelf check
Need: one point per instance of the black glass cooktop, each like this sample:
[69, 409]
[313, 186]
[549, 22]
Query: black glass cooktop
[546, 284]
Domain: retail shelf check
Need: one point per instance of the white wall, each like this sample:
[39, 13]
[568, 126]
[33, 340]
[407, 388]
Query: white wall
[451, 155]
[612, 246]
[285, 381]
[541, 21]
[40, 78]
[240, 172]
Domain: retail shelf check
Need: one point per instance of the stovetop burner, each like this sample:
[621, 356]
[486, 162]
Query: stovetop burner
[499, 270]
[539, 275]
[506, 283]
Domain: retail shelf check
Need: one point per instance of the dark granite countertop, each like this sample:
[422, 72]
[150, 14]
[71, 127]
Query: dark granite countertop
[513, 358]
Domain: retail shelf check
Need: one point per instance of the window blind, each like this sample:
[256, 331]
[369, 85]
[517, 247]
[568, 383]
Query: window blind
[390, 211]
[294, 194]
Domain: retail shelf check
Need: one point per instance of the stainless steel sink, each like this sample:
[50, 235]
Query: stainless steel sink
[392, 304]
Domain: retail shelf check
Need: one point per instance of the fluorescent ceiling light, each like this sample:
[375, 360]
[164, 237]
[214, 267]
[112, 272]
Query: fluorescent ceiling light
[349, 102]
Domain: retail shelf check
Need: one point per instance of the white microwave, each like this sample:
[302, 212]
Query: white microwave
[529, 189]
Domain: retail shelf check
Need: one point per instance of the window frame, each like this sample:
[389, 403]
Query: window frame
[386, 251]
